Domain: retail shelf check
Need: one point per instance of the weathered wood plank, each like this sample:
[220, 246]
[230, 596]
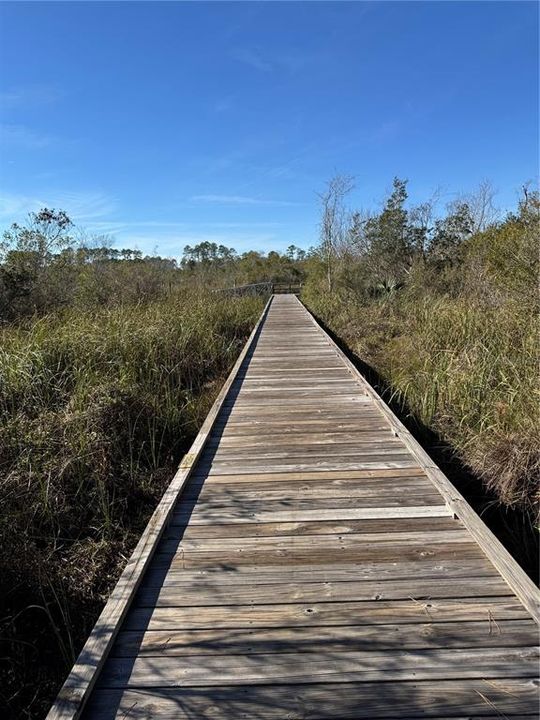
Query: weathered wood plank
[385, 447]
[204, 592]
[222, 531]
[373, 552]
[366, 513]
[314, 542]
[370, 474]
[361, 462]
[338, 509]
[286, 492]
[281, 424]
[347, 405]
[488, 609]
[325, 667]
[390, 569]
[291, 494]
[478, 698]
[257, 439]
[223, 510]
[314, 639]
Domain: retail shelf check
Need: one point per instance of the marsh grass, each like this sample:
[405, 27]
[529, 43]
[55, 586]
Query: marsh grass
[466, 369]
[96, 409]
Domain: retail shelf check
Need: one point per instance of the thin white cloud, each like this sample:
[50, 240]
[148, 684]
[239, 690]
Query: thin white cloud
[92, 209]
[96, 216]
[291, 61]
[158, 226]
[85, 206]
[253, 59]
[13, 208]
[224, 104]
[82, 207]
[238, 200]
[240, 225]
[161, 233]
[22, 137]
[28, 96]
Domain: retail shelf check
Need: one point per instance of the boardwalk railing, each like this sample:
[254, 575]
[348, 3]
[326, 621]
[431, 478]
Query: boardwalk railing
[264, 288]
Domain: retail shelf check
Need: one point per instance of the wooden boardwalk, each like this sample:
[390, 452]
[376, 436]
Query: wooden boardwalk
[313, 567]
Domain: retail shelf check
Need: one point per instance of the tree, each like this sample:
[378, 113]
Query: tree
[421, 225]
[207, 253]
[450, 232]
[504, 259]
[390, 249]
[482, 210]
[32, 260]
[46, 232]
[295, 253]
[333, 221]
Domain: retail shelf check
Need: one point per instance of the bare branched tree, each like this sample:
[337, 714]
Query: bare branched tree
[481, 206]
[334, 220]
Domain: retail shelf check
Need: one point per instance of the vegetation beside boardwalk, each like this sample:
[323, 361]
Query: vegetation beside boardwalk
[109, 362]
[96, 409]
[446, 310]
[444, 307]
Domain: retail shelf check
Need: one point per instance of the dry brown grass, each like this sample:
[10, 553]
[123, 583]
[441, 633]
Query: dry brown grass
[465, 369]
[96, 408]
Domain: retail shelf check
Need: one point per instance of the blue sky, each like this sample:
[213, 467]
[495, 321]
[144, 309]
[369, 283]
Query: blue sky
[165, 124]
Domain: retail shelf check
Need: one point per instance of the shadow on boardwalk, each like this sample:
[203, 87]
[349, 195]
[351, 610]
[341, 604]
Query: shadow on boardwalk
[265, 667]
[511, 526]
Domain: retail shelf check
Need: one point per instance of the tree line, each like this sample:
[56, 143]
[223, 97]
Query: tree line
[379, 253]
[45, 266]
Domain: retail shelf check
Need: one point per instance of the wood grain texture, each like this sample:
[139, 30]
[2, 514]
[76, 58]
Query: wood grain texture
[317, 639]
[477, 698]
[411, 610]
[205, 593]
[324, 667]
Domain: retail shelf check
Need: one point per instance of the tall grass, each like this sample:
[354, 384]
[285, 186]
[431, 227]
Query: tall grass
[96, 409]
[467, 370]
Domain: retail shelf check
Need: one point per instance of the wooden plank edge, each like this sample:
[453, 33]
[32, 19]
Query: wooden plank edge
[78, 686]
[513, 574]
